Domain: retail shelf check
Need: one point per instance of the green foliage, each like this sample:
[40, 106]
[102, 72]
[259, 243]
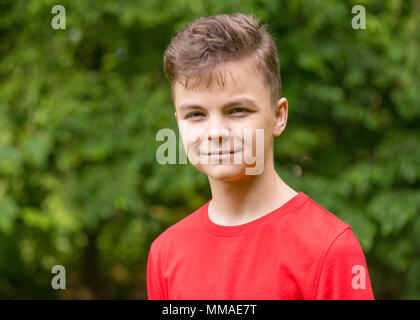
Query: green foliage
[80, 108]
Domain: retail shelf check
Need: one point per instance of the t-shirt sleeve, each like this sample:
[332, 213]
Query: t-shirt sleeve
[344, 274]
[156, 286]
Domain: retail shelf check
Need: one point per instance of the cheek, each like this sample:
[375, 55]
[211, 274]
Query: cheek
[262, 131]
[183, 134]
[191, 136]
[259, 121]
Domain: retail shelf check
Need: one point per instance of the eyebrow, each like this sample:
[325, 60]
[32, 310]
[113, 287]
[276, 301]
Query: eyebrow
[241, 101]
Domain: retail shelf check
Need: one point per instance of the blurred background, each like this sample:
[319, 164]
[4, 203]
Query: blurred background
[80, 109]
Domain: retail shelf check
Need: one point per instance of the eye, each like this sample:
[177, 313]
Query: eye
[237, 111]
[193, 115]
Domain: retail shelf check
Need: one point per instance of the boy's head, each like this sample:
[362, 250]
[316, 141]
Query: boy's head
[225, 79]
[207, 42]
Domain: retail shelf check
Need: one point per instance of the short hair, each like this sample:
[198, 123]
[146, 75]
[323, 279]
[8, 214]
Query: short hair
[208, 41]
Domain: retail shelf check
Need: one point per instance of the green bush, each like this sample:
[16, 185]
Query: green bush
[80, 108]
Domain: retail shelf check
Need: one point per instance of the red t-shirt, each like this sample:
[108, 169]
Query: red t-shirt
[298, 251]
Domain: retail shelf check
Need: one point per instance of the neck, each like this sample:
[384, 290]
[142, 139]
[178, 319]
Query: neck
[248, 198]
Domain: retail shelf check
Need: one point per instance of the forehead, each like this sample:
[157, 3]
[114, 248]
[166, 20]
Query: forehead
[223, 82]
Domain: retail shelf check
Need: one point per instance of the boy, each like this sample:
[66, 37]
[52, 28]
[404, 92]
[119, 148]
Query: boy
[257, 238]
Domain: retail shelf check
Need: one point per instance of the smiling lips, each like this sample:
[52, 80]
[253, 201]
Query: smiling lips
[221, 153]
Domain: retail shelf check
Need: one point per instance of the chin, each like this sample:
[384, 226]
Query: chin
[224, 172]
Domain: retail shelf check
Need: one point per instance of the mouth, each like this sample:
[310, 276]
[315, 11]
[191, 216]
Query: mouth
[216, 157]
[222, 153]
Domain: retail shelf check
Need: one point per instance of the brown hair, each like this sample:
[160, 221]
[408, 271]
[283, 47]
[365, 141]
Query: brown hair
[209, 41]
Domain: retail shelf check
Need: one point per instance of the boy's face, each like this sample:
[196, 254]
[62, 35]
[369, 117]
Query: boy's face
[224, 119]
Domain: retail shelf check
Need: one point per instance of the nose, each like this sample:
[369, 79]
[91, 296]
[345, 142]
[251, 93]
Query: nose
[217, 130]
[218, 134]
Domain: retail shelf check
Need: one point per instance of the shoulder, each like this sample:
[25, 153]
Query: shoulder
[183, 230]
[316, 226]
[317, 218]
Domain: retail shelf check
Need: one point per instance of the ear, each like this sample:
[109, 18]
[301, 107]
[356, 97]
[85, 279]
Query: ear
[176, 116]
[280, 117]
